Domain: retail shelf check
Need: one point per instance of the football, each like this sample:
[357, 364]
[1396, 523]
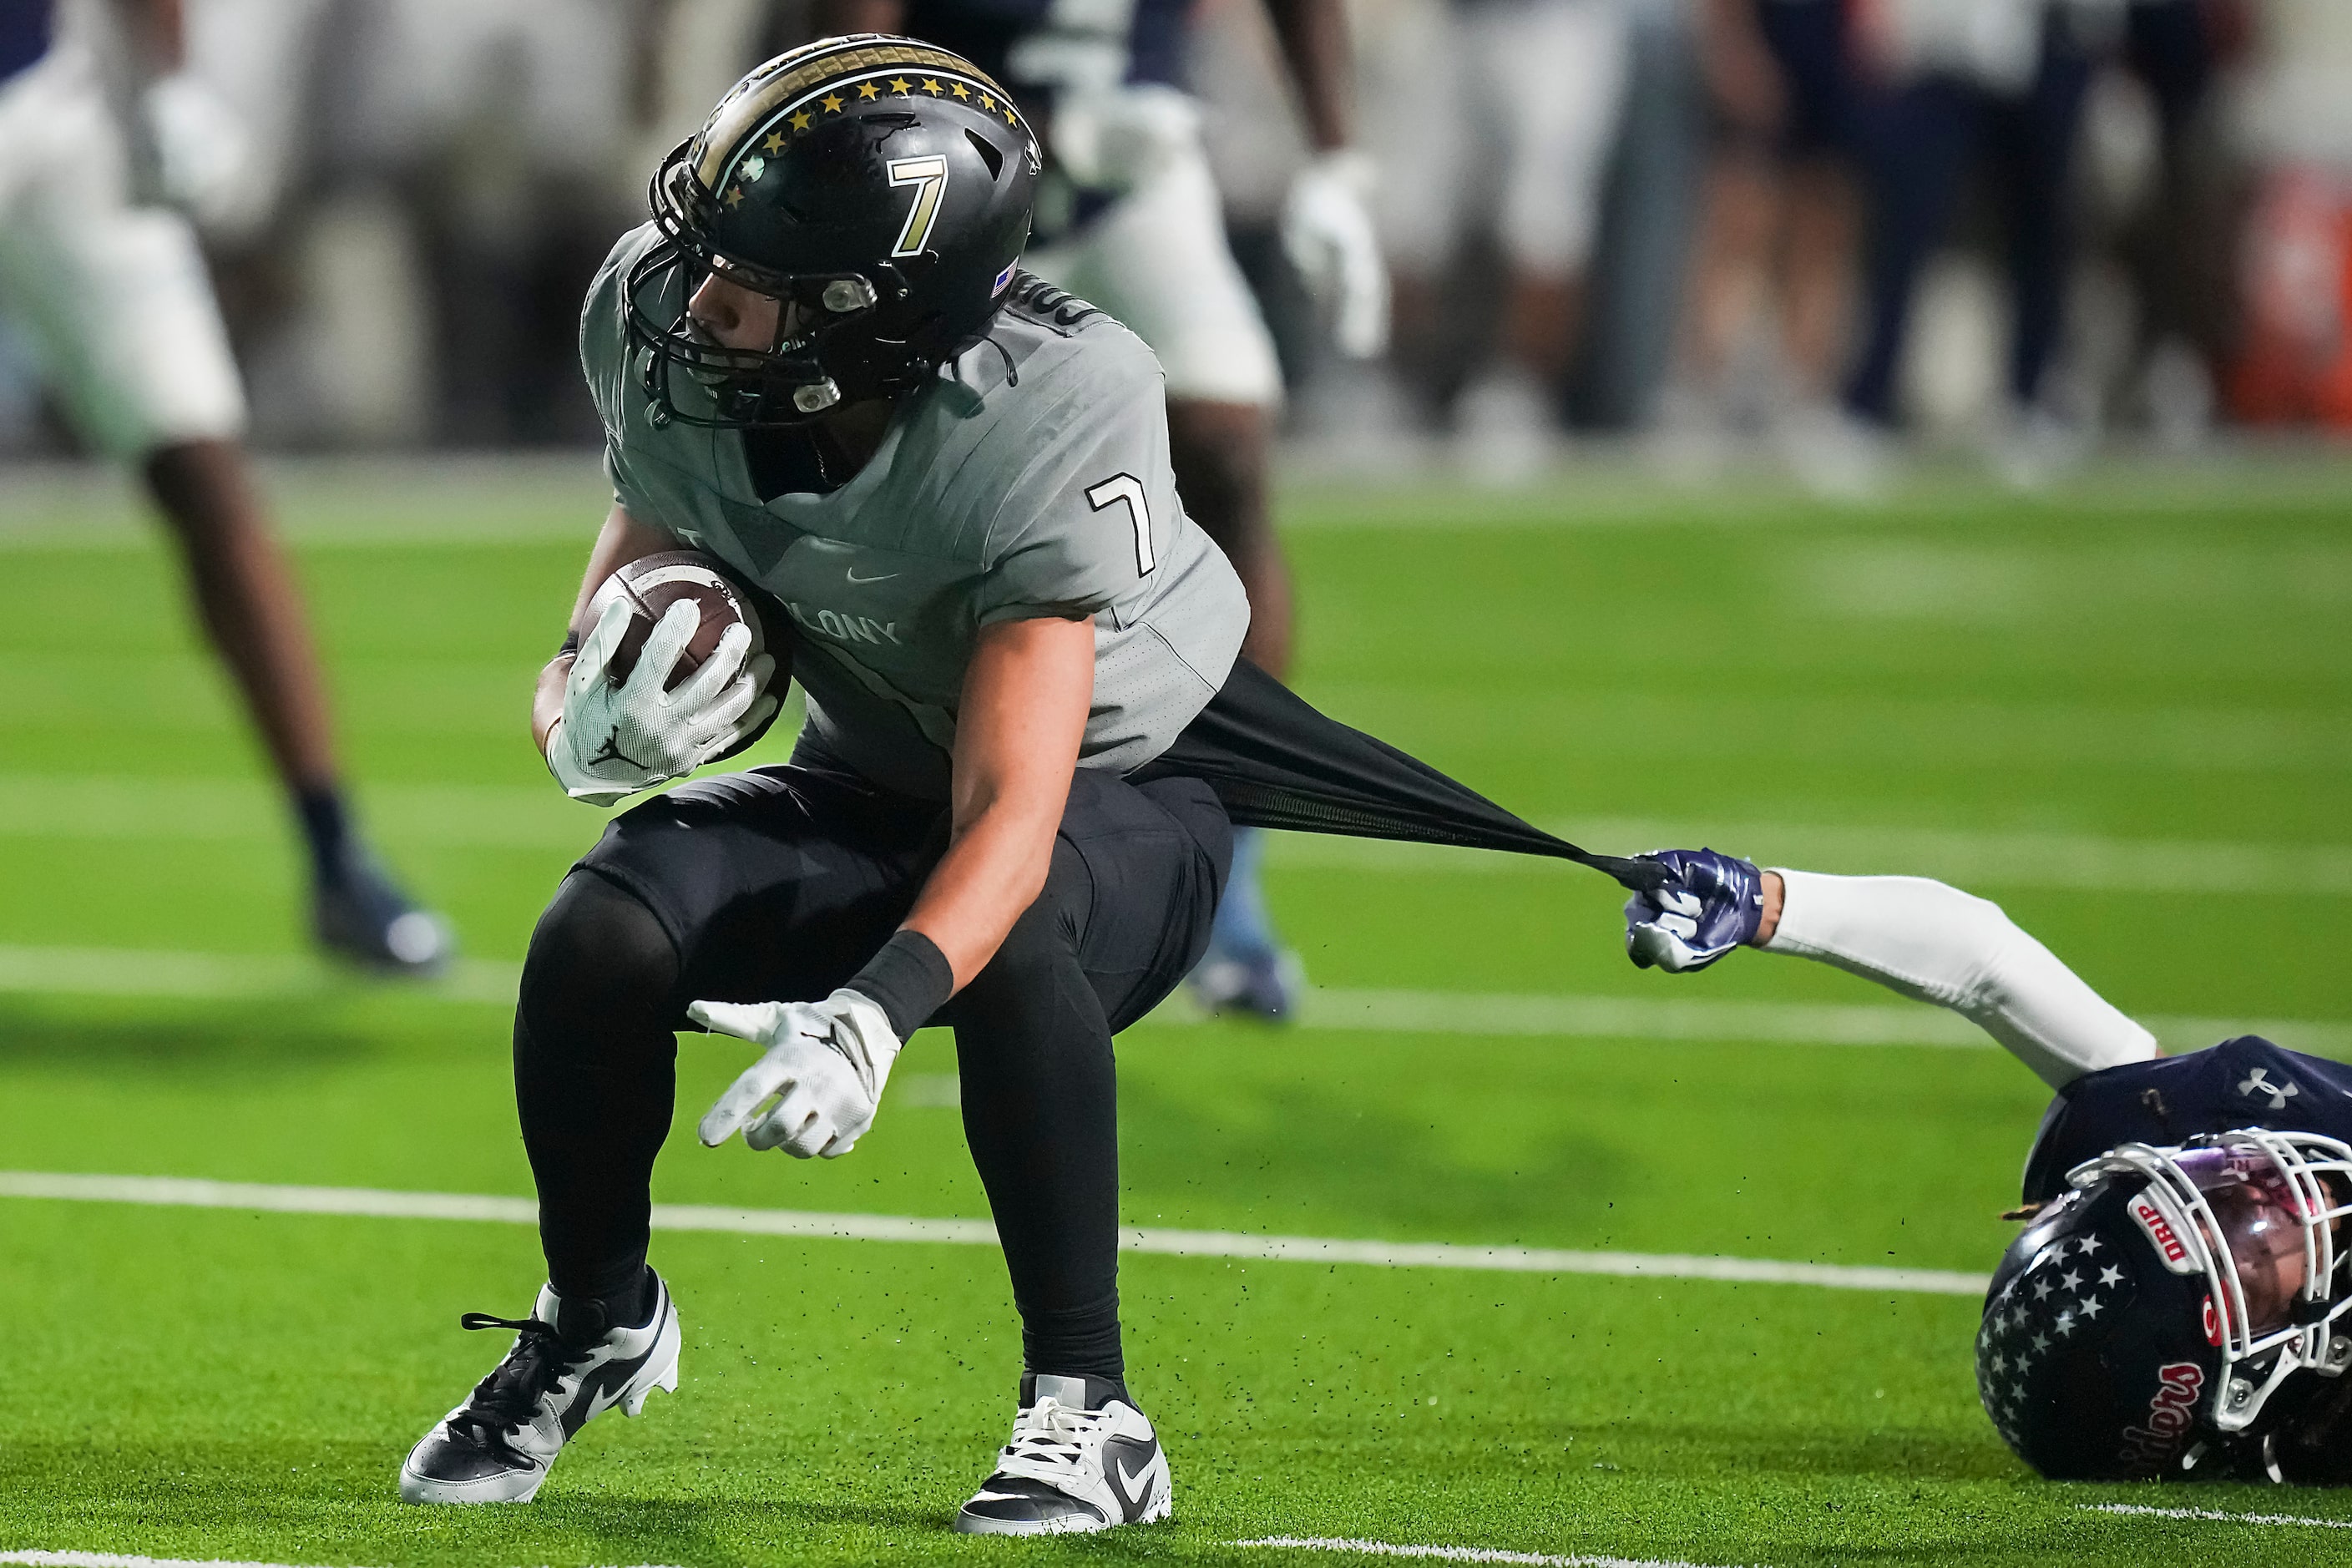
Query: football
[652, 584]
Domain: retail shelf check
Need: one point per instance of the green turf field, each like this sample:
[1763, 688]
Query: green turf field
[2122, 712]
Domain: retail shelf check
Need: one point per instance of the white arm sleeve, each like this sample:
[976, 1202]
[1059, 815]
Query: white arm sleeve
[1935, 943]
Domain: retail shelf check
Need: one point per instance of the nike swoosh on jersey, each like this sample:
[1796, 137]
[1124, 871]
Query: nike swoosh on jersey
[851, 573]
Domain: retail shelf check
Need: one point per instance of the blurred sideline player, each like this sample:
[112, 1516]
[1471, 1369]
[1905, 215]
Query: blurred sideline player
[1781, 218]
[2176, 1306]
[1030, 731]
[1129, 220]
[1524, 98]
[2005, 81]
[111, 293]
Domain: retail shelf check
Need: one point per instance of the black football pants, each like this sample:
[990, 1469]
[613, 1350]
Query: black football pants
[777, 885]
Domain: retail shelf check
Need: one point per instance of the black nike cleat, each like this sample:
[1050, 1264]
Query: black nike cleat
[1081, 1458]
[498, 1444]
[363, 916]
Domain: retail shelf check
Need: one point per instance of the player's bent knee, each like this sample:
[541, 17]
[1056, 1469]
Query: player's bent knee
[598, 957]
[1038, 956]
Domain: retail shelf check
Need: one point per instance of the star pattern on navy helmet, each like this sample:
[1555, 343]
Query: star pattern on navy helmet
[2034, 1316]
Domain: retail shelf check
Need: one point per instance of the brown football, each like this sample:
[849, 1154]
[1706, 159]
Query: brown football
[651, 585]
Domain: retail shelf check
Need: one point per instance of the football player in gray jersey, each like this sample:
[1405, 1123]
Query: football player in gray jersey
[1029, 736]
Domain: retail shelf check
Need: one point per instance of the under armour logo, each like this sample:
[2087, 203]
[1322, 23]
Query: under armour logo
[2256, 1083]
[610, 752]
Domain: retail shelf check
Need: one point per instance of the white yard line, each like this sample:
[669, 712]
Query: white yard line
[1455, 1553]
[375, 1203]
[209, 976]
[118, 1560]
[232, 976]
[487, 817]
[2143, 1512]
[2070, 861]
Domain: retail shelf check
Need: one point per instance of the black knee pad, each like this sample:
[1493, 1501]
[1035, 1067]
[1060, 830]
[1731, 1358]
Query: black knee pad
[599, 960]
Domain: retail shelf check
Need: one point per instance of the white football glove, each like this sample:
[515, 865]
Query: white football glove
[827, 1062]
[614, 741]
[1326, 231]
[203, 153]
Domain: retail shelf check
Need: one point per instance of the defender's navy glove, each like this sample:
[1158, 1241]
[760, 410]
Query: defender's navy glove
[1712, 904]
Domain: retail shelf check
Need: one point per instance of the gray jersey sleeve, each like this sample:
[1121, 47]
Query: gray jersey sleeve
[1092, 512]
[604, 361]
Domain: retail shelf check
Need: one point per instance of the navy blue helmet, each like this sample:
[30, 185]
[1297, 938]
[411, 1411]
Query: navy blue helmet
[2179, 1309]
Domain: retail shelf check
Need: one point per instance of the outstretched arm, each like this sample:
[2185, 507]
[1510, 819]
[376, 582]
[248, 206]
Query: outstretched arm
[1929, 942]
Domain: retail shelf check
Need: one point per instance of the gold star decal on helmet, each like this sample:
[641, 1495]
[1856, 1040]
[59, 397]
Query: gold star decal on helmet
[775, 141]
[930, 87]
[832, 101]
[960, 89]
[867, 90]
[734, 197]
[986, 101]
[898, 85]
[1012, 119]
[800, 121]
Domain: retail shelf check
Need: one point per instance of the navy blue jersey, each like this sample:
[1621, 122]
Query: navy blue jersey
[2244, 1082]
[1040, 47]
[25, 29]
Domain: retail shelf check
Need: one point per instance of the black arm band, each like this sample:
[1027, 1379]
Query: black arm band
[910, 980]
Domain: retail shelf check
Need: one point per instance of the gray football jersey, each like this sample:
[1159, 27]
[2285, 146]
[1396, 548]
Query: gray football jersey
[1030, 478]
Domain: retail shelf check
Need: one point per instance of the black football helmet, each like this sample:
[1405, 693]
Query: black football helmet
[2143, 1322]
[877, 187]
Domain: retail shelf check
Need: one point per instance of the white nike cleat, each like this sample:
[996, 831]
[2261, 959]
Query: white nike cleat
[498, 1444]
[1081, 1458]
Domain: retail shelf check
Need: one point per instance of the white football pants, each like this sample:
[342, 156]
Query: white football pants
[112, 297]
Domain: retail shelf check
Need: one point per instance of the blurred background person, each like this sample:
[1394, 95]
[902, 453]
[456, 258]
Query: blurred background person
[1513, 113]
[2291, 355]
[1962, 81]
[1765, 328]
[105, 287]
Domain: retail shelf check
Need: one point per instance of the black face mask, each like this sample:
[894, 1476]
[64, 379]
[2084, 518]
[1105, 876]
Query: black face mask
[827, 349]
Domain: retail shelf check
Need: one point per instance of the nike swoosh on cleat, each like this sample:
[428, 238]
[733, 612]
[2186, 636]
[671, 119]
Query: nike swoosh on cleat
[1128, 1488]
[611, 1381]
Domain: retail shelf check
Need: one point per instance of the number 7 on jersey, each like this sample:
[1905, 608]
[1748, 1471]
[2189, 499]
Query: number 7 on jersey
[1128, 489]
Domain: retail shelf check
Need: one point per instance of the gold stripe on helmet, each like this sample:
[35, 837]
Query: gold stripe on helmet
[791, 79]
